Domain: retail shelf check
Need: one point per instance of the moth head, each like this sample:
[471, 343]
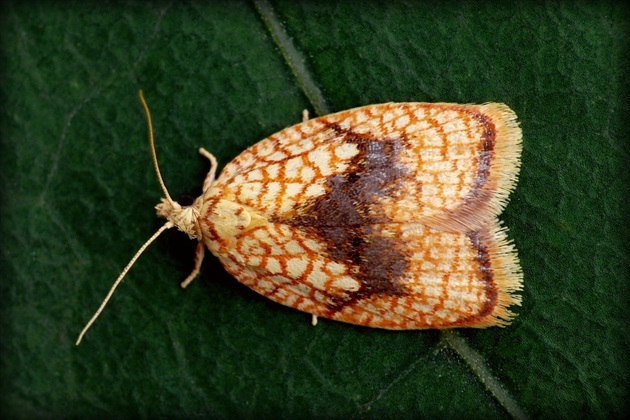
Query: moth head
[185, 218]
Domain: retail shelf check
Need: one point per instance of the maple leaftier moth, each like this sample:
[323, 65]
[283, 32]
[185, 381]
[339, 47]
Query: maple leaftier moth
[382, 216]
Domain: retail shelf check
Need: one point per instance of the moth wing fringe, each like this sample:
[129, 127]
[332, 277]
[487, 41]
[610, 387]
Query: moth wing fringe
[507, 274]
[492, 198]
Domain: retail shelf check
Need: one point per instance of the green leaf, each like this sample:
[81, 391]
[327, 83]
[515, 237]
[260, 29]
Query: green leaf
[78, 191]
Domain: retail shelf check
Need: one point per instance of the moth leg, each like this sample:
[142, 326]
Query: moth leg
[199, 253]
[304, 115]
[213, 168]
[314, 319]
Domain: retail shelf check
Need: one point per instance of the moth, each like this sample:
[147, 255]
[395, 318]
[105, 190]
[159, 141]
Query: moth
[383, 216]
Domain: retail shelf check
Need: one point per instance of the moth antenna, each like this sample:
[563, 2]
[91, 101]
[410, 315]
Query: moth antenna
[166, 226]
[120, 278]
[155, 162]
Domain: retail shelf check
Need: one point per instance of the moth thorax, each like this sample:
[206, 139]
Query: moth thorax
[228, 220]
[185, 218]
